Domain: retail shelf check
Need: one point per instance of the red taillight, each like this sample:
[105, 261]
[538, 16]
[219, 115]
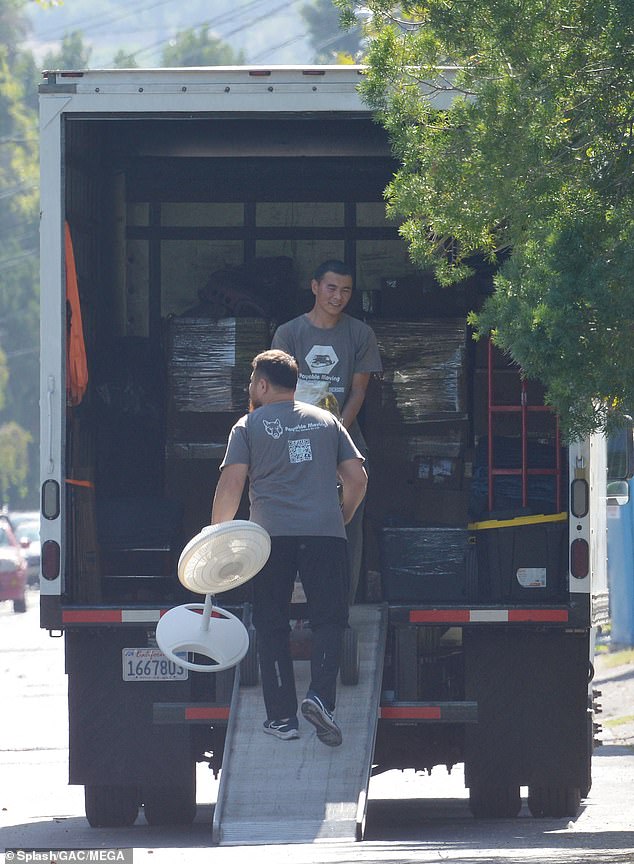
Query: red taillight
[579, 558]
[50, 560]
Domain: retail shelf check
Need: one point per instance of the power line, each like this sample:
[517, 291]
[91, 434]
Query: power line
[14, 260]
[101, 20]
[21, 352]
[96, 22]
[264, 54]
[224, 18]
[268, 14]
[16, 190]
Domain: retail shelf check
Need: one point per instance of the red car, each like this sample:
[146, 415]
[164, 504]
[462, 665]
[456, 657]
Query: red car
[13, 571]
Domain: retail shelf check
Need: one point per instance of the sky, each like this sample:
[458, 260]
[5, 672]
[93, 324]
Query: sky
[268, 31]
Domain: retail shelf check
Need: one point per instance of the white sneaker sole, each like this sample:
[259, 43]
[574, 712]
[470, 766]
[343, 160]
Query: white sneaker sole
[327, 730]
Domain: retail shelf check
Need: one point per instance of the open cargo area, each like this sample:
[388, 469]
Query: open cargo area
[193, 240]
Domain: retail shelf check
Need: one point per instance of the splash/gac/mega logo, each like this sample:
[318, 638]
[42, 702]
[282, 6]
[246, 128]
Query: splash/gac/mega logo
[321, 359]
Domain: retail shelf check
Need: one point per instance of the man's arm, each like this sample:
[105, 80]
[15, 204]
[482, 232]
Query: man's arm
[355, 481]
[228, 493]
[355, 398]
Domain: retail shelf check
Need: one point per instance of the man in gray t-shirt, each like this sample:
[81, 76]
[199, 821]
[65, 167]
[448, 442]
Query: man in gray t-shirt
[341, 352]
[292, 454]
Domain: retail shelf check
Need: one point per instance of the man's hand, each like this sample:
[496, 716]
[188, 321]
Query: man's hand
[355, 398]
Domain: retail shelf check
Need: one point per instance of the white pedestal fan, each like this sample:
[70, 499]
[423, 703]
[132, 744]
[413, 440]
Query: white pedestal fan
[217, 559]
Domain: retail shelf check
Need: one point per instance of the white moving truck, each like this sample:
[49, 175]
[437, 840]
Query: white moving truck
[198, 202]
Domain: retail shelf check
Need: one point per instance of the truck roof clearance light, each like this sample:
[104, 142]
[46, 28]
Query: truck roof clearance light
[50, 560]
[579, 498]
[259, 73]
[313, 71]
[579, 558]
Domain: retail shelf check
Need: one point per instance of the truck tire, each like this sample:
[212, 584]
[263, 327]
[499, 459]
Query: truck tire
[19, 605]
[171, 805]
[490, 801]
[111, 806]
[249, 667]
[556, 801]
[350, 661]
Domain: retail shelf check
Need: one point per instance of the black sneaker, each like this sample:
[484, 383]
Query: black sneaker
[316, 713]
[284, 729]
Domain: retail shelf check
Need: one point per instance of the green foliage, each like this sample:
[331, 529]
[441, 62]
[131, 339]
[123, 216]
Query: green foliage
[72, 54]
[19, 288]
[200, 48]
[328, 39]
[14, 463]
[124, 60]
[533, 158]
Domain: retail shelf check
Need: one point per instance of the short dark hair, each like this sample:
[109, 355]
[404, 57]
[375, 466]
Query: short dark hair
[333, 265]
[278, 367]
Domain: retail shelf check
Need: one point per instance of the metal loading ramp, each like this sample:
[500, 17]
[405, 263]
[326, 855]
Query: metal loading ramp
[302, 791]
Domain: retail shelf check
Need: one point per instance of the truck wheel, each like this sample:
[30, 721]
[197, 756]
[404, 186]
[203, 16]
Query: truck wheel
[249, 667]
[19, 605]
[557, 801]
[350, 661]
[111, 806]
[171, 805]
[489, 801]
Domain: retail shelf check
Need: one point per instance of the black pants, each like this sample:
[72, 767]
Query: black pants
[321, 564]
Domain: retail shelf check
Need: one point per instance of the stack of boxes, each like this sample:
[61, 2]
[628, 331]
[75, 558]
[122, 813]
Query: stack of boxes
[417, 424]
[208, 370]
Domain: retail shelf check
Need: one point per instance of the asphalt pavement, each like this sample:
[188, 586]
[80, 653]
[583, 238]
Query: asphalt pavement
[411, 817]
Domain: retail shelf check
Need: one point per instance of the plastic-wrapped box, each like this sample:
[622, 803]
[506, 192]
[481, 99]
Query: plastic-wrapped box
[207, 391]
[207, 344]
[420, 565]
[209, 362]
[423, 363]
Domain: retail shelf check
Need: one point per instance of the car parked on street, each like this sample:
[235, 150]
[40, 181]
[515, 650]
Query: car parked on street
[18, 517]
[28, 536]
[13, 574]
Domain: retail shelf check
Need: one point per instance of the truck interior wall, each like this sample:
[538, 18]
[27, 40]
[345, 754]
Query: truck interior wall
[224, 221]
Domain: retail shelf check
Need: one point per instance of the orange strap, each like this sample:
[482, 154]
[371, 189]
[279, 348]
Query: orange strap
[87, 483]
[76, 364]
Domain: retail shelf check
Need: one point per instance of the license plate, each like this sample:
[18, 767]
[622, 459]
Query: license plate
[150, 664]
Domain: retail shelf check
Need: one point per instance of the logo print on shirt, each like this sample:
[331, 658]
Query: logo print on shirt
[300, 450]
[273, 428]
[321, 359]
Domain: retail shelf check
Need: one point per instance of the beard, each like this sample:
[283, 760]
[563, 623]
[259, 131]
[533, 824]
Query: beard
[253, 404]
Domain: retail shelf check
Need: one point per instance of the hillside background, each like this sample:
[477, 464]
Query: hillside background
[264, 30]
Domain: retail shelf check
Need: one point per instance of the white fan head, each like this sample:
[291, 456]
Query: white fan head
[223, 556]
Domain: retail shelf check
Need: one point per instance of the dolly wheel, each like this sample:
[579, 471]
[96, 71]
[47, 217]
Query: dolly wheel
[249, 667]
[350, 660]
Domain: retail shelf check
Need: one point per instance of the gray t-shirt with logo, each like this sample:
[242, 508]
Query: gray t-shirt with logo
[292, 450]
[331, 354]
